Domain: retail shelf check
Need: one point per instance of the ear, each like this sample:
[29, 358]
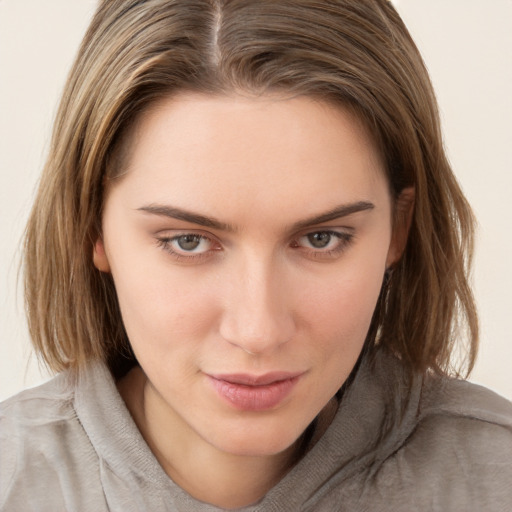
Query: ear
[99, 256]
[403, 211]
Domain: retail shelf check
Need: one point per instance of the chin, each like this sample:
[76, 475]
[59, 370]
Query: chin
[257, 440]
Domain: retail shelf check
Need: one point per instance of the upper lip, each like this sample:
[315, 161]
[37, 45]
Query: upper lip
[247, 379]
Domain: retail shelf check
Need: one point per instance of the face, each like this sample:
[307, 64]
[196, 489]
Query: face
[247, 241]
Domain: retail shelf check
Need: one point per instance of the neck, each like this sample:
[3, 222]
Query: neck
[210, 475]
[223, 480]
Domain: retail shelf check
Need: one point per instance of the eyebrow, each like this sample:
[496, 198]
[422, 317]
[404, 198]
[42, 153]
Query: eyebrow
[343, 210]
[210, 222]
[187, 216]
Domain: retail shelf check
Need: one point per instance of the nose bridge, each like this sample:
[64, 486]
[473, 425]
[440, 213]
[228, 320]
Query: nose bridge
[257, 314]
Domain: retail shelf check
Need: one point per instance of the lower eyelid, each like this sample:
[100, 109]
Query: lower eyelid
[165, 245]
[342, 236]
[165, 242]
[344, 240]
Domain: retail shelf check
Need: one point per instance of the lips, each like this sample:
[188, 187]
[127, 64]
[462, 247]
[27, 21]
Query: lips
[254, 393]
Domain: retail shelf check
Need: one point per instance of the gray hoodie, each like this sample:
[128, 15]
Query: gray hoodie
[444, 445]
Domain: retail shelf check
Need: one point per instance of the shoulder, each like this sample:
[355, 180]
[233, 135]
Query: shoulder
[42, 444]
[400, 444]
[55, 392]
[466, 419]
[459, 455]
[37, 411]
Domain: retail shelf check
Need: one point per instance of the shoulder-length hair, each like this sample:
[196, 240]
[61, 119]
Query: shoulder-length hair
[355, 53]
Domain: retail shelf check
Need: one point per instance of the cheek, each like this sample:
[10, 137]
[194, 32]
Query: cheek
[162, 303]
[344, 305]
[339, 320]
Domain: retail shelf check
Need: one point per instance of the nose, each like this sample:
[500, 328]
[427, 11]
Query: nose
[257, 316]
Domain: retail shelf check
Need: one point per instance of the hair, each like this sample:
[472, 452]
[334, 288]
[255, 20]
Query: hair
[353, 53]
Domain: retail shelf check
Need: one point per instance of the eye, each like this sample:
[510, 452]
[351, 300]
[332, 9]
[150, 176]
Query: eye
[319, 240]
[188, 245]
[323, 243]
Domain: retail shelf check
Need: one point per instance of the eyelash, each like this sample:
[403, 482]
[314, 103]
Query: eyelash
[166, 244]
[344, 241]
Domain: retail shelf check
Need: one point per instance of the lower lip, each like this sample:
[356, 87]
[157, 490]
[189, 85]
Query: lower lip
[254, 398]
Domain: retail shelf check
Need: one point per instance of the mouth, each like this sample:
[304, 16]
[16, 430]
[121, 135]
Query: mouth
[254, 392]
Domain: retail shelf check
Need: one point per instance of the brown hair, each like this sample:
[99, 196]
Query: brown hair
[351, 52]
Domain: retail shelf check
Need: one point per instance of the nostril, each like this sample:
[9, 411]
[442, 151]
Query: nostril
[257, 316]
[248, 351]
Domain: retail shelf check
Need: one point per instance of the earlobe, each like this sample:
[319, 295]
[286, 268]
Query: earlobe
[403, 212]
[99, 256]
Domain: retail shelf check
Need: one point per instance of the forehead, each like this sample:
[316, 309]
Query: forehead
[211, 148]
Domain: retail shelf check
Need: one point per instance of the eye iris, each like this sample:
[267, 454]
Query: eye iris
[189, 242]
[319, 240]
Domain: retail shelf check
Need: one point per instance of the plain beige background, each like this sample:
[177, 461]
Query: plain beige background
[467, 45]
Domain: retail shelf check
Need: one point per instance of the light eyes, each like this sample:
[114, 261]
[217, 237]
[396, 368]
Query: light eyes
[320, 239]
[190, 243]
[324, 244]
[188, 246]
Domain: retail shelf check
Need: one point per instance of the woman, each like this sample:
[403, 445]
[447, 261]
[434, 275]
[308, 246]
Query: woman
[248, 259]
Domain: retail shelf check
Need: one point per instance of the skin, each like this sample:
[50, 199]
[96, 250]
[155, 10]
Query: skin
[255, 293]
